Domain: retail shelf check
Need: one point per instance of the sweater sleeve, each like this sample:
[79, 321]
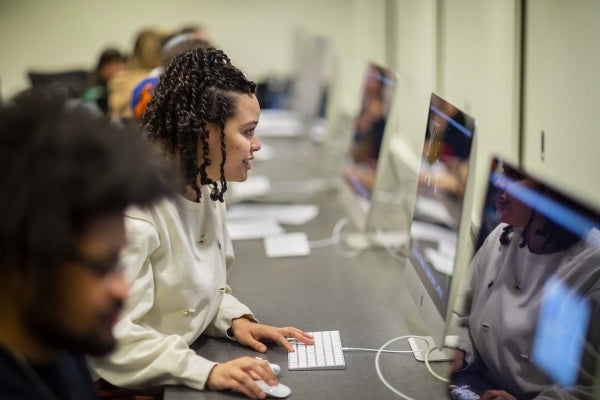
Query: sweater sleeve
[231, 307]
[144, 356]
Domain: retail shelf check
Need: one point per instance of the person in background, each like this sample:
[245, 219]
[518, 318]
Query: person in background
[142, 93]
[188, 37]
[145, 58]
[110, 63]
[369, 126]
[203, 115]
[67, 176]
[197, 31]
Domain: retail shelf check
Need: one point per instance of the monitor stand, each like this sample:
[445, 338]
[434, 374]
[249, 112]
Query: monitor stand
[446, 354]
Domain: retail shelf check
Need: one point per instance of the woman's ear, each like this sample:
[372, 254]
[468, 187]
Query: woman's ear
[214, 133]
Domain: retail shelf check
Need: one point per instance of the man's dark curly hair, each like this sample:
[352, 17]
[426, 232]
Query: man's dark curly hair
[62, 168]
[198, 87]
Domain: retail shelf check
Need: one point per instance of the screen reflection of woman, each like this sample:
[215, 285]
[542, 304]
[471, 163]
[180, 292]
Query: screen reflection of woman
[508, 274]
[369, 127]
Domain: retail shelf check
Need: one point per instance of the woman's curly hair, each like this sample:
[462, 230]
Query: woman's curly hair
[198, 87]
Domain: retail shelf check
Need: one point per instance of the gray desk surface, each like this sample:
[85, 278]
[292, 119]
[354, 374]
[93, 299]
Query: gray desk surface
[363, 297]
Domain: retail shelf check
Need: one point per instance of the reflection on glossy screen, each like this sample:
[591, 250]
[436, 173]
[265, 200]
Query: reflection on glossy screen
[441, 187]
[369, 127]
[533, 315]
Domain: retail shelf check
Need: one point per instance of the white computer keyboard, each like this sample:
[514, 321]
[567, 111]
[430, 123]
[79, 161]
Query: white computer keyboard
[326, 353]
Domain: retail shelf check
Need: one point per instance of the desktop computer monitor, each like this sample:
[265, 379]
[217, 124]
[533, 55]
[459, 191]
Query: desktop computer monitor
[372, 124]
[295, 107]
[440, 241]
[534, 291]
[369, 128]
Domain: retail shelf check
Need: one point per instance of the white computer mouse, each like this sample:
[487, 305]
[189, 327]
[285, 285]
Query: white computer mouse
[280, 390]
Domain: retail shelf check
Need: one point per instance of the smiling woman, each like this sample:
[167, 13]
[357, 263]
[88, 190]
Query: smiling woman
[203, 111]
[240, 141]
[203, 115]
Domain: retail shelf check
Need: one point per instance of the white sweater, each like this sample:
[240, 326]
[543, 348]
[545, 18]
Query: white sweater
[177, 260]
[503, 319]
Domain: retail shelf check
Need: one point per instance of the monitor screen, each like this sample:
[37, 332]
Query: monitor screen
[369, 127]
[533, 293]
[441, 218]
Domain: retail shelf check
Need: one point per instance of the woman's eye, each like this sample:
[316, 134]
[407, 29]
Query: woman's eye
[249, 132]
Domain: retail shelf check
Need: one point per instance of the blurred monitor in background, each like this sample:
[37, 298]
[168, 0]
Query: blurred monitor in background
[68, 83]
[296, 104]
[369, 126]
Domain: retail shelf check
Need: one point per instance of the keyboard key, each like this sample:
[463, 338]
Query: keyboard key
[326, 353]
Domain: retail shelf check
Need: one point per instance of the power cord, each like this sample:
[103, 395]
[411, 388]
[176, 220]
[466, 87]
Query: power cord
[390, 351]
[428, 366]
[335, 240]
[428, 348]
[378, 368]
[337, 235]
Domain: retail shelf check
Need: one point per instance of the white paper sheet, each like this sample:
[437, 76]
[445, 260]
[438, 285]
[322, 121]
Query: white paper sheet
[293, 214]
[253, 228]
[442, 262]
[287, 245]
[435, 209]
[254, 186]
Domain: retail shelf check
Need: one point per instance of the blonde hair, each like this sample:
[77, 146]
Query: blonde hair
[146, 50]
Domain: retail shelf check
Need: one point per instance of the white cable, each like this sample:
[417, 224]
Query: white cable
[336, 236]
[378, 369]
[428, 366]
[320, 243]
[384, 351]
[334, 239]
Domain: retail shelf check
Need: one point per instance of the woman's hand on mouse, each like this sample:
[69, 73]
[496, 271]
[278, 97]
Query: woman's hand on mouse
[250, 333]
[239, 375]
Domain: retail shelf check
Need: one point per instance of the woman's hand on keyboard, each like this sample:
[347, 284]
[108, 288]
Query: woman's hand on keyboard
[240, 374]
[250, 333]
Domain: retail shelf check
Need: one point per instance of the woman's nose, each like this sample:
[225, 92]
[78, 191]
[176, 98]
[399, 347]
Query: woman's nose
[255, 145]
